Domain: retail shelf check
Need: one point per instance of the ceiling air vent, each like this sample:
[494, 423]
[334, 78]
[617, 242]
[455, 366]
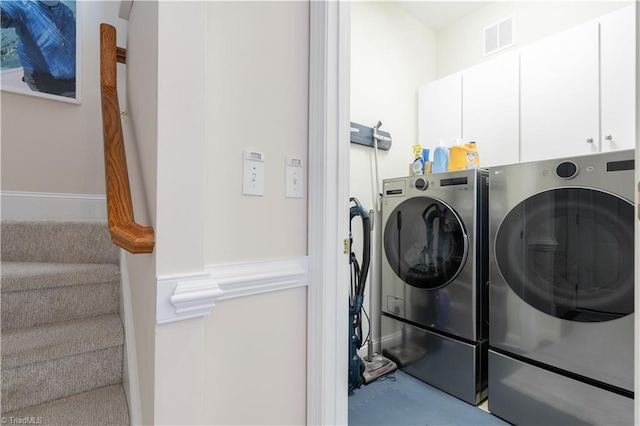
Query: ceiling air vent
[499, 36]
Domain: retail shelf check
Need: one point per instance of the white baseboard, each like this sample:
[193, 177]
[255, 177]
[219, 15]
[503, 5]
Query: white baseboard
[181, 297]
[364, 351]
[52, 206]
[379, 342]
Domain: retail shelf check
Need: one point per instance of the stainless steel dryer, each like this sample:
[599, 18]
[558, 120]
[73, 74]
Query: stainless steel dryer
[434, 275]
[562, 290]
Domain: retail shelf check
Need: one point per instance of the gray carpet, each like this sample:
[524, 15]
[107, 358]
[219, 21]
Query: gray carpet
[21, 276]
[49, 305]
[51, 341]
[106, 406]
[400, 399]
[62, 336]
[57, 242]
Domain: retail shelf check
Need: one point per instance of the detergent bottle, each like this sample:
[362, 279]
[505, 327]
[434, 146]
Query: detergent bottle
[473, 158]
[417, 167]
[464, 156]
[425, 159]
[440, 159]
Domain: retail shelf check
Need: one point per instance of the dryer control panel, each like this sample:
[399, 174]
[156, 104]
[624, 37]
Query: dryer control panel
[394, 188]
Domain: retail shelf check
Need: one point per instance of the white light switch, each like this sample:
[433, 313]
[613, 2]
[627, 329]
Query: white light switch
[253, 173]
[294, 172]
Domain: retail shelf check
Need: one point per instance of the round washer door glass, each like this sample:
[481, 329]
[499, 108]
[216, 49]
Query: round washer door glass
[569, 253]
[425, 242]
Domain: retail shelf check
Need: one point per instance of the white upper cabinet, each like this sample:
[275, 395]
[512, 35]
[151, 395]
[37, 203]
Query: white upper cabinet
[440, 111]
[559, 95]
[617, 77]
[570, 94]
[490, 109]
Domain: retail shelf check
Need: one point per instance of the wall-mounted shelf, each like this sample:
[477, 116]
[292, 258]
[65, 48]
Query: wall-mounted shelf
[363, 135]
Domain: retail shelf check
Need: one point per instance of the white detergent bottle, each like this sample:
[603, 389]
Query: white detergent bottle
[440, 159]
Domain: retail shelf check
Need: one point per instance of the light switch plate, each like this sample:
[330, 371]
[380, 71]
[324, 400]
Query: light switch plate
[294, 178]
[253, 173]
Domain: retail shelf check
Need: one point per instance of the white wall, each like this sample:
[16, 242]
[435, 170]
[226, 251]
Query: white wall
[181, 137]
[392, 55]
[256, 360]
[460, 45]
[257, 99]
[51, 146]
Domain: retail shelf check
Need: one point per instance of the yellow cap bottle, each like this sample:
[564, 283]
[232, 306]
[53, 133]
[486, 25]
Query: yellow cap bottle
[462, 157]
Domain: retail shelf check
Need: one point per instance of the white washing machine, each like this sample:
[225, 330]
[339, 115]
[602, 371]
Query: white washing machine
[562, 290]
[434, 277]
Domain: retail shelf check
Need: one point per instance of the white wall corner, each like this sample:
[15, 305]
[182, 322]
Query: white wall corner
[250, 278]
[130, 379]
[186, 296]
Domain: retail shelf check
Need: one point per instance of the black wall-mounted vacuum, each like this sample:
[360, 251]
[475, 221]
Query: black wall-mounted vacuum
[361, 371]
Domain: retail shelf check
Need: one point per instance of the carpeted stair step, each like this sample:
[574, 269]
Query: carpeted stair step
[103, 406]
[36, 344]
[62, 336]
[54, 361]
[58, 242]
[35, 293]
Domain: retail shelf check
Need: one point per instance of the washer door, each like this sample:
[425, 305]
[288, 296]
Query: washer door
[569, 253]
[425, 242]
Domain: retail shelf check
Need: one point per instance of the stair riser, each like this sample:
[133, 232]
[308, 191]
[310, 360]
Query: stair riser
[34, 307]
[33, 384]
[24, 346]
[64, 242]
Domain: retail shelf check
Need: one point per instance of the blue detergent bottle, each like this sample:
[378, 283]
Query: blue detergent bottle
[440, 159]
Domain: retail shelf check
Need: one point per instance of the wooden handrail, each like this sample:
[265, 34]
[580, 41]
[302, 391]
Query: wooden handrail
[125, 232]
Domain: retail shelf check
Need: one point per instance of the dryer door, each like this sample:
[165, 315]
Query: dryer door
[425, 242]
[569, 253]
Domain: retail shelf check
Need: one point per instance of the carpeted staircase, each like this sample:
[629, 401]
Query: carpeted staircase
[62, 336]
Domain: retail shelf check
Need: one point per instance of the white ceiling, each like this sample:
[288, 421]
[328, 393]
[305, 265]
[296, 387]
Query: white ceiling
[438, 14]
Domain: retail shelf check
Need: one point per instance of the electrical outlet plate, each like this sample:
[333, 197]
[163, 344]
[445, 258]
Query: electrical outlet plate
[253, 173]
[294, 172]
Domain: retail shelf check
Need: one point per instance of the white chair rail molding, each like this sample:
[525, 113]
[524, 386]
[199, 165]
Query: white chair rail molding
[182, 297]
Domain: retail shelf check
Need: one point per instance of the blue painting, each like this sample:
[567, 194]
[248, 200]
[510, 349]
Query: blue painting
[38, 51]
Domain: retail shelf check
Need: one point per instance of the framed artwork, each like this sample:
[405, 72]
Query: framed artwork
[39, 51]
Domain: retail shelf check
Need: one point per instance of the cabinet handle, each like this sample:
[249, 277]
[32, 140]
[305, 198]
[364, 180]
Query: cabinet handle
[590, 140]
[609, 137]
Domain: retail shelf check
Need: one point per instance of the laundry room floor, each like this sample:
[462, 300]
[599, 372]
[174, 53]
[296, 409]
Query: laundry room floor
[400, 399]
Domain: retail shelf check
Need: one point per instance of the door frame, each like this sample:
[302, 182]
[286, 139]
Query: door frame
[328, 290]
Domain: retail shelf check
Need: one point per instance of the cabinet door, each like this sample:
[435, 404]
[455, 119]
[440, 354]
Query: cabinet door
[618, 81]
[440, 111]
[490, 105]
[559, 95]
